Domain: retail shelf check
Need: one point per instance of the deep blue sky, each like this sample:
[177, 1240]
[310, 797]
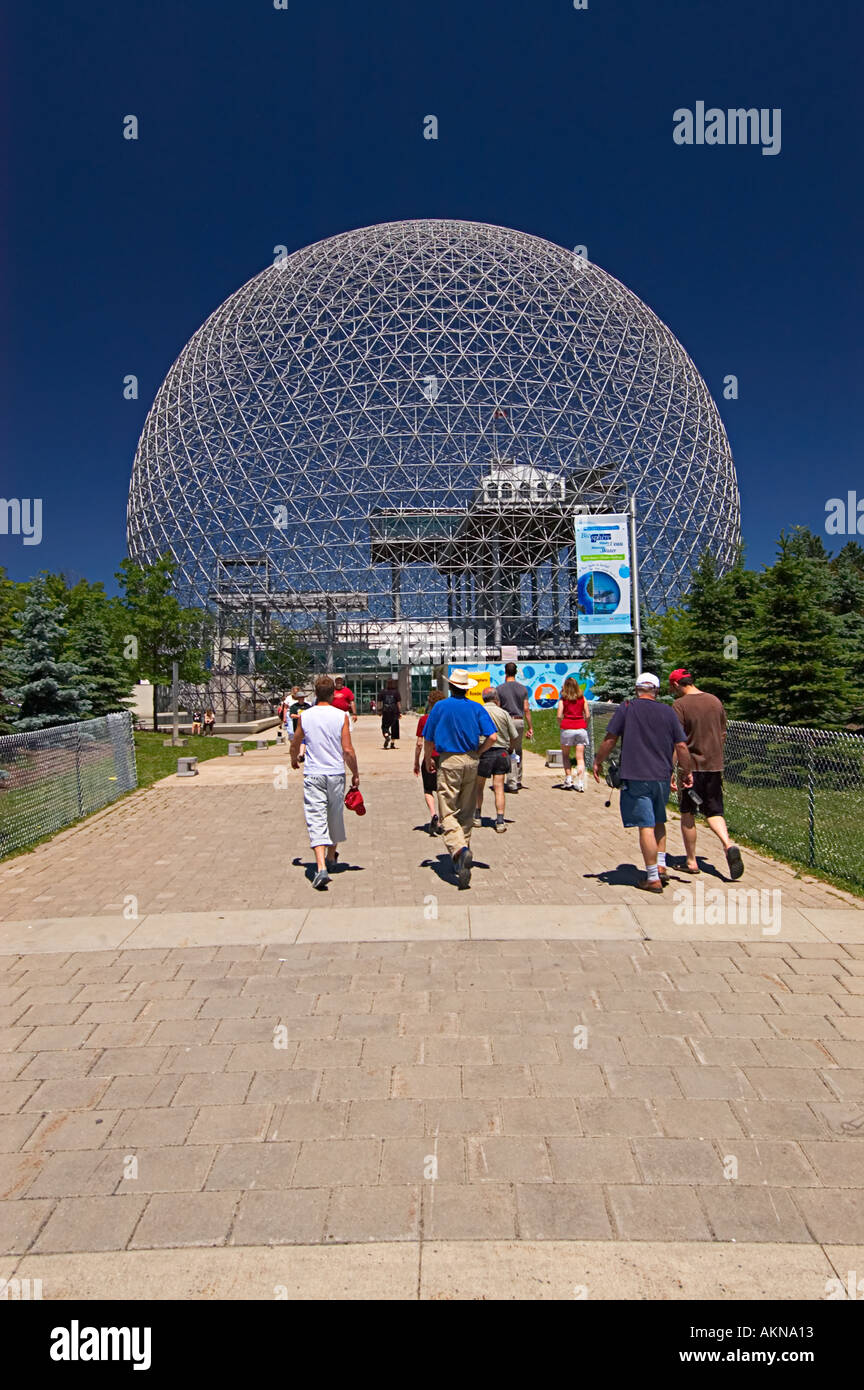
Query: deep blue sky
[260, 127]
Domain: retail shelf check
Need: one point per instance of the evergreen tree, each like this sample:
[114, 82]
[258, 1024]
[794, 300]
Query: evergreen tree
[717, 615]
[163, 631]
[47, 689]
[804, 544]
[93, 639]
[11, 604]
[107, 676]
[792, 669]
[612, 666]
[847, 580]
[675, 635]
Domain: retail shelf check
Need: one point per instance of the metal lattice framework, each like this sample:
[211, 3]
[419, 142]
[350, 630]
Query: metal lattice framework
[398, 423]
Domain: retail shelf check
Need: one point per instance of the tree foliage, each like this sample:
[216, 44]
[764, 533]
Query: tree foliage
[45, 688]
[613, 666]
[162, 631]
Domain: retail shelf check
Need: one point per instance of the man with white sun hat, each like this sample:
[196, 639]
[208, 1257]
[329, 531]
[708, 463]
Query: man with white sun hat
[651, 740]
[458, 730]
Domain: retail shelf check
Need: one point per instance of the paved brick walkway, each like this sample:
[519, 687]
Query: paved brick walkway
[456, 1118]
[234, 838]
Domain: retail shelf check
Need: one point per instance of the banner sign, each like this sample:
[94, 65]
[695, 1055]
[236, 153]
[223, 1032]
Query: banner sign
[483, 679]
[603, 573]
[542, 679]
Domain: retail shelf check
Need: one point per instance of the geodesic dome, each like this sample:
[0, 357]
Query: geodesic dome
[404, 417]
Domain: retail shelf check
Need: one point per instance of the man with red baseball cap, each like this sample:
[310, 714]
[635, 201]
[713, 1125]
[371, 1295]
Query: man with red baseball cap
[703, 719]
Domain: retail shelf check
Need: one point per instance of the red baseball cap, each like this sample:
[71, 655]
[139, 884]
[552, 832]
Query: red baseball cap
[682, 674]
[354, 801]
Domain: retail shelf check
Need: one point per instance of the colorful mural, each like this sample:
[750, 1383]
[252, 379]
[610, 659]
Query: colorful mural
[543, 679]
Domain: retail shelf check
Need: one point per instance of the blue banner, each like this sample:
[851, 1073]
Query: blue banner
[603, 573]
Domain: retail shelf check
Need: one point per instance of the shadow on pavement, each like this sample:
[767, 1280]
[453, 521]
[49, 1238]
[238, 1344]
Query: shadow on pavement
[624, 876]
[443, 867]
[333, 871]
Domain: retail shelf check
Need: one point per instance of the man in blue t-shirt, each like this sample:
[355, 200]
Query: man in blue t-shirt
[651, 739]
[458, 730]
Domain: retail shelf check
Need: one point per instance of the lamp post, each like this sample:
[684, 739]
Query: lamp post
[634, 569]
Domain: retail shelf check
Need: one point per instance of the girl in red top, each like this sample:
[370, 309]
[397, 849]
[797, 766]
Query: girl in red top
[573, 724]
[430, 779]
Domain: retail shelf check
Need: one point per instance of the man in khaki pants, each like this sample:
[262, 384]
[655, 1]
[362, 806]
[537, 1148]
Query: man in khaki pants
[458, 730]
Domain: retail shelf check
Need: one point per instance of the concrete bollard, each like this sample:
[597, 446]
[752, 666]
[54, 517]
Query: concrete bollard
[235, 750]
[187, 767]
[554, 757]
[261, 743]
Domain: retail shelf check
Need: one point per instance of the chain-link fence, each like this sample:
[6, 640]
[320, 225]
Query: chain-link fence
[799, 792]
[51, 777]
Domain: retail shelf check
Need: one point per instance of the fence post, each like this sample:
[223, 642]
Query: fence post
[811, 800]
[78, 768]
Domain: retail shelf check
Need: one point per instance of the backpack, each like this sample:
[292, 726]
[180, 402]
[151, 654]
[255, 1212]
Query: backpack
[613, 771]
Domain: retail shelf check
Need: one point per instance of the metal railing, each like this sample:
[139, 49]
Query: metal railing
[798, 792]
[51, 777]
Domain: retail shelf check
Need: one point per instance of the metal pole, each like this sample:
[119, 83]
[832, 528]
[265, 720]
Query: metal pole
[175, 675]
[496, 593]
[253, 664]
[78, 769]
[634, 568]
[811, 802]
[331, 635]
[396, 587]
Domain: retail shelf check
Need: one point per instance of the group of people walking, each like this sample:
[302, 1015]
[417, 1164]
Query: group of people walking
[461, 744]
[655, 739]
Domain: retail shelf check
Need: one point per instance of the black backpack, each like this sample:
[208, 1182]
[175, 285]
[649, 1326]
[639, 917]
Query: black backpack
[613, 770]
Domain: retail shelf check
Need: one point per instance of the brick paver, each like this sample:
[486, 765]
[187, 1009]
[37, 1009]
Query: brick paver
[243, 845]
[495, 1128]
[442, 1090]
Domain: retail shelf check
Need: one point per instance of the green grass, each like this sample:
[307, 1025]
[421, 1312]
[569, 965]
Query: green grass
[546, 732]
[155, 761]
[61, 794]
[777, 819]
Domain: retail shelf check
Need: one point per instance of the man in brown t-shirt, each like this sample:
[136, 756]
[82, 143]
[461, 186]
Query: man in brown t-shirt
[704, 721]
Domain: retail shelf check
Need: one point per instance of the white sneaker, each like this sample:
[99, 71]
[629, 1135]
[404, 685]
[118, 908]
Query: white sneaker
[568, 784]
[580, 784]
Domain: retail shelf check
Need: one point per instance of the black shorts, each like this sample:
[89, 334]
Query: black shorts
[708, 785]
[390, 723]
[493, 763]
[430, 779]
